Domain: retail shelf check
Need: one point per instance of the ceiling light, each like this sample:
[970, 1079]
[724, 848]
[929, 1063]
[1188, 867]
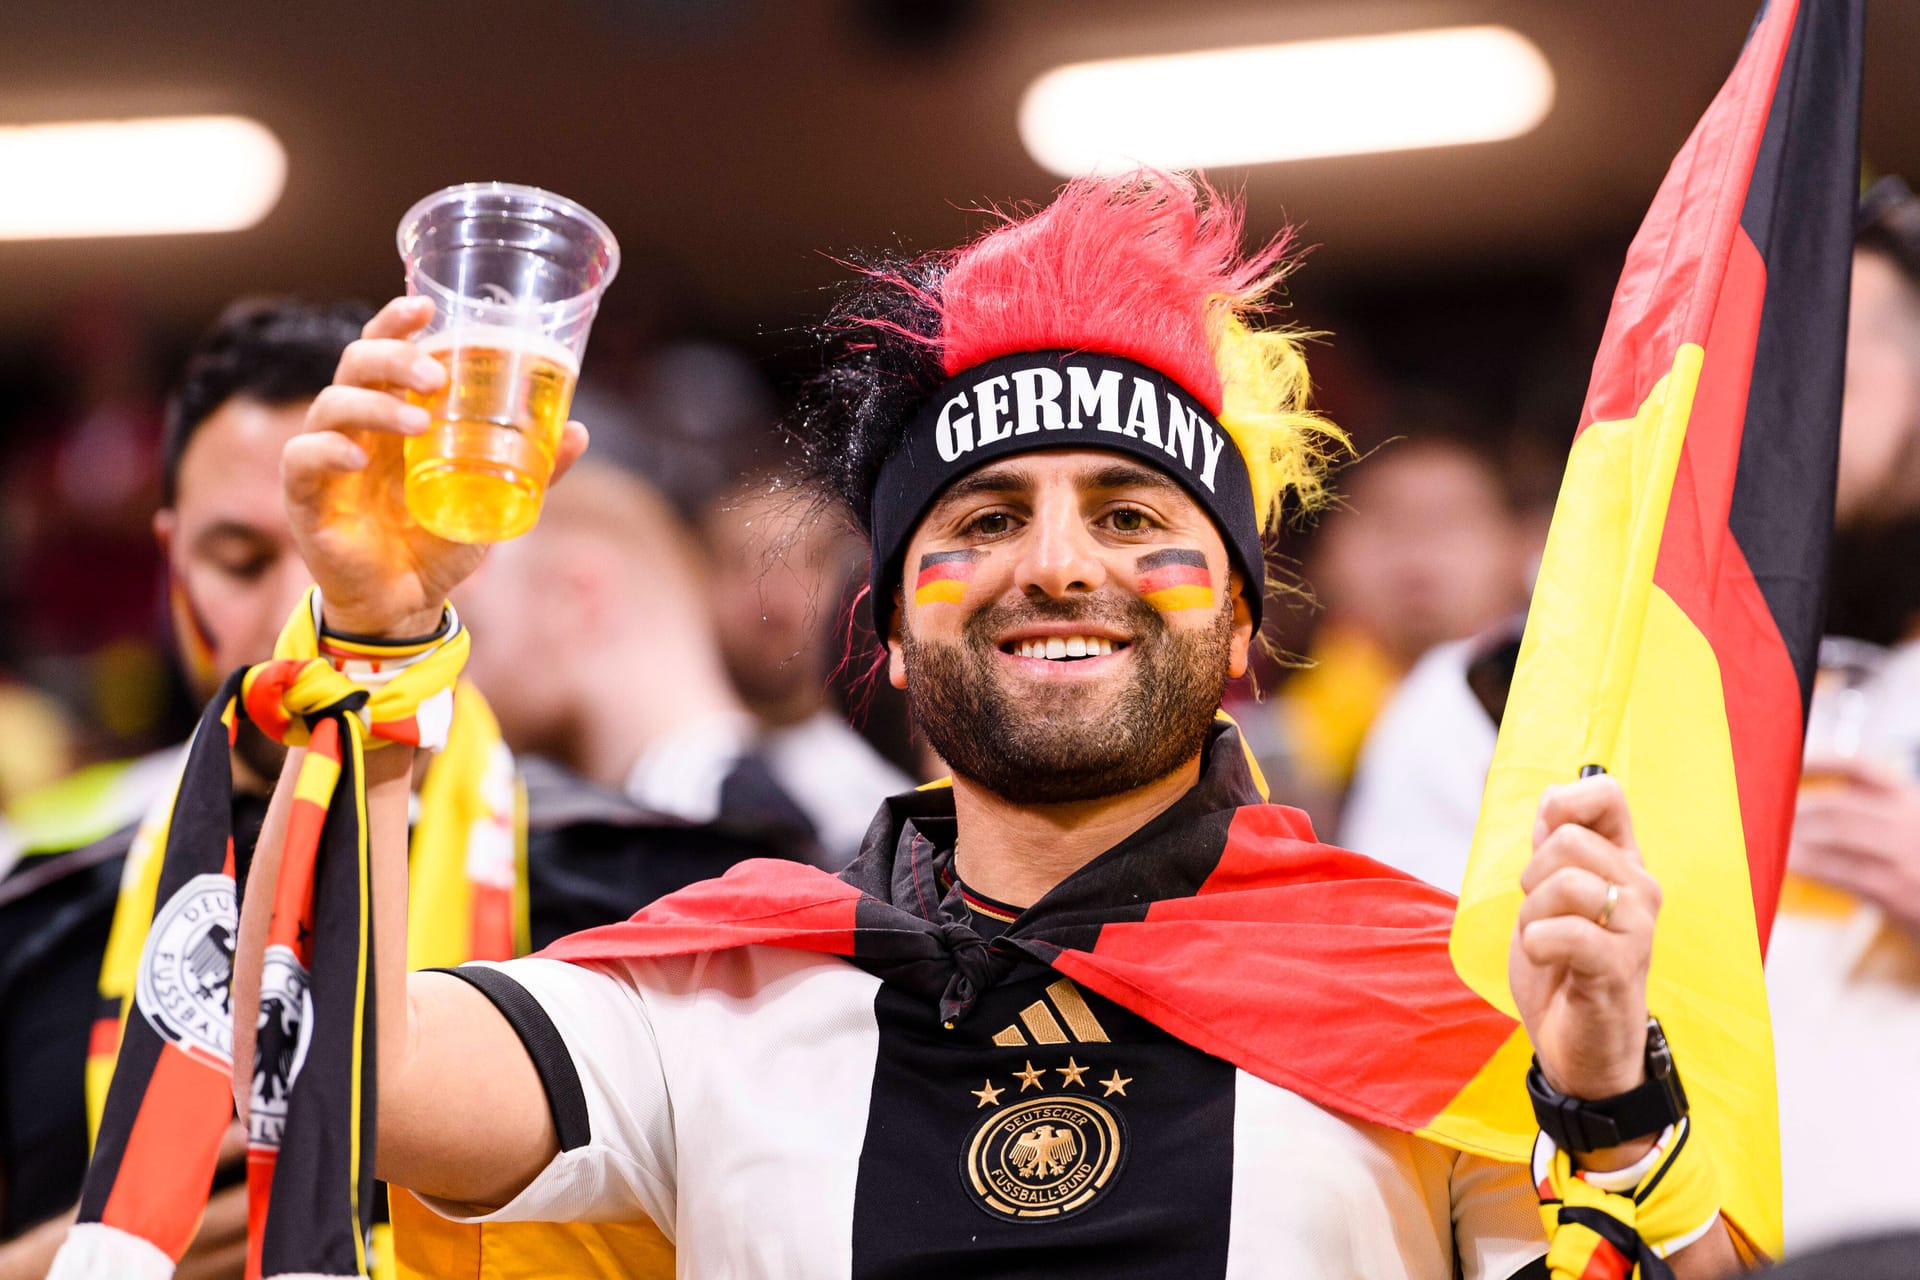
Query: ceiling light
[1263, 103]
[157, 176]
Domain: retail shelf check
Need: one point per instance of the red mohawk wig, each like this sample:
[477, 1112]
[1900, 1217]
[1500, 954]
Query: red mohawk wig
[1147, 267]
[1139, 268]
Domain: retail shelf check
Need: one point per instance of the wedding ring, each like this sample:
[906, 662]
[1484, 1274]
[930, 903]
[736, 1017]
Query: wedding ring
[1606, 909]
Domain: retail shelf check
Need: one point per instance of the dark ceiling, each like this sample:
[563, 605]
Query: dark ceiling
[729, 142]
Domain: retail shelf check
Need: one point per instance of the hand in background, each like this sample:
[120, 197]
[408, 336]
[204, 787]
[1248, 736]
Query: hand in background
[1856, 827]
[218, 1251]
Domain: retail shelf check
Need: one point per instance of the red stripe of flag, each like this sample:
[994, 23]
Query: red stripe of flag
[946, 571]
[1178, 575]
[757, 902]
[161, 1183]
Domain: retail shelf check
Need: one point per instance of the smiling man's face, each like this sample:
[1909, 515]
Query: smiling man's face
[1068, 622]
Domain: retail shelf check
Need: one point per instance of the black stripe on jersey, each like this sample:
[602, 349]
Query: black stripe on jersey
[558, 1076]
[1014, 1145]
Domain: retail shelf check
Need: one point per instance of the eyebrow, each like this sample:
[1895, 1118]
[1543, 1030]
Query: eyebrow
[227, 531]
[1003, 480]
[992, 480]
[1121, 475]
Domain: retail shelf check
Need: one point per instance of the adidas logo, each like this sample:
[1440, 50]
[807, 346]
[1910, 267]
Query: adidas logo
[1062, 1017]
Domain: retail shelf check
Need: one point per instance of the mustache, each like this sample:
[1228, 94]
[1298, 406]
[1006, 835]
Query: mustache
[1130, 614]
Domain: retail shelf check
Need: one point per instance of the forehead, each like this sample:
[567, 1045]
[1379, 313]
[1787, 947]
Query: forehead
[1088, 472]
[231, 466]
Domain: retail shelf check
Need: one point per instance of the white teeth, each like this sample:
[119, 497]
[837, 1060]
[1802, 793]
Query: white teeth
[1055, 648]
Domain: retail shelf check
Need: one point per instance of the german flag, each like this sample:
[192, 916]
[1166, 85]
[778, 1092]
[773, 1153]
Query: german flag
[944, 576]
[1175, 579]
[1677, 613]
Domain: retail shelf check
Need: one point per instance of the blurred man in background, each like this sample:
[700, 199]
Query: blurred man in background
[505, 855]
[607, 602]
[1425, 549]
[233, 576]
[1843, 970]
[779, 572]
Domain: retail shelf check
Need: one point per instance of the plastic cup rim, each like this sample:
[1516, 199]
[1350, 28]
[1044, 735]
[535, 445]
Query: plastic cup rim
[562, 204]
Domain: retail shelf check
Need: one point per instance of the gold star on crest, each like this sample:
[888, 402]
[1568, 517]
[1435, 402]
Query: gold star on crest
[989, 1096]
[1071, 1073]
[1116, 1083]
[1030, 1078]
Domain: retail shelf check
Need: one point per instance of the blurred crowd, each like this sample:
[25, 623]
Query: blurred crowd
[704, 664]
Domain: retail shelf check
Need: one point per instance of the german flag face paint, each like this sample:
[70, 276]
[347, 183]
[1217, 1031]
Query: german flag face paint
[1175, 579]
[198, 651]
[944, 576]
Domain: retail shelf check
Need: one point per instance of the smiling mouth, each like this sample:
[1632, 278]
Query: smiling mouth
[1064, 648]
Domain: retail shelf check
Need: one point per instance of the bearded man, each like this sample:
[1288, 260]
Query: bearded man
[1096, 1008]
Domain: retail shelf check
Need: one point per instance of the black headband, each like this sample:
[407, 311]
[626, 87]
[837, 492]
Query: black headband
[1065, 400]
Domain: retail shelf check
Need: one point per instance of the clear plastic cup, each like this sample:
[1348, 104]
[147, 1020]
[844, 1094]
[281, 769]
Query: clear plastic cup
[1842, 725]
[515, 274]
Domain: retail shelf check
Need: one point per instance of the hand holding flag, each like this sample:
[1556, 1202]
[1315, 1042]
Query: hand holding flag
[1584, 941]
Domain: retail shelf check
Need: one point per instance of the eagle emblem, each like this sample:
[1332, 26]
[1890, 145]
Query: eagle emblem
[1045, 1152]
[282, 1037]
[1044, 1158]
[184, 984]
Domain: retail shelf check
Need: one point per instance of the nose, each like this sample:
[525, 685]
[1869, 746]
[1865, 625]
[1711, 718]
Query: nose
[1060, 557]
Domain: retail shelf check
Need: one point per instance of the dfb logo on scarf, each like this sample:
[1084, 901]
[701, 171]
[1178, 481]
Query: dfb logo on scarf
[184, 987]
[280, 1046]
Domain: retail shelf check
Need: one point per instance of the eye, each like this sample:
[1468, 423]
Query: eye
[245, 568]
[1129, 520]
[989, 524]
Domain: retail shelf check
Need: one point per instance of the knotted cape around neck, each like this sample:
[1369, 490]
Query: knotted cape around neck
[1223, 921]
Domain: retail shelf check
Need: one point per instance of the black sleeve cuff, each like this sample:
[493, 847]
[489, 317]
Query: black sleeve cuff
[565, 1098]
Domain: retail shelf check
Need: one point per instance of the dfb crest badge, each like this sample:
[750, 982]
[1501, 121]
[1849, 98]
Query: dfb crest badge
[185, 985]
[284, 1033]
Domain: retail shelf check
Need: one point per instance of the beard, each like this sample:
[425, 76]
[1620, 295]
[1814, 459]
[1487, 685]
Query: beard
[1056, 744]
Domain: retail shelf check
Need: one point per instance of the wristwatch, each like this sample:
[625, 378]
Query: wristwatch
[1583, 1124]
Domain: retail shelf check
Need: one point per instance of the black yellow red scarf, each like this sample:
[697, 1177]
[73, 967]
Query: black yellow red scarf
[313, 1081]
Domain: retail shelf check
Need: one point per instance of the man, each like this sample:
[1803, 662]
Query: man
[1426, 550]
[1064, 602]
[1843, 970]
[608, 593]
[778, 571]
[233, 573]
[73, 943]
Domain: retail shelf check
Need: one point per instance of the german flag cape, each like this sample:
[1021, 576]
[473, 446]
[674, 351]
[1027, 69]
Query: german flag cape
[1223, 921]
[1677, 612]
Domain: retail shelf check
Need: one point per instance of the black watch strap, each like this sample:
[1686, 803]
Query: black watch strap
[1583, 1124]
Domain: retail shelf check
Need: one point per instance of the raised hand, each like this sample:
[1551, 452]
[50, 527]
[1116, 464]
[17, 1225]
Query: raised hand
[379, 572]
[1584, 941]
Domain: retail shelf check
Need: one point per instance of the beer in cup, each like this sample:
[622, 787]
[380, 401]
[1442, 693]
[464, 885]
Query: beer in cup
[1842, 724]
[515, 274]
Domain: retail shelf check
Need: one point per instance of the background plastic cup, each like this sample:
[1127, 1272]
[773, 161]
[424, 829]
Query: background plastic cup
[515, 274]
[1842, 724]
